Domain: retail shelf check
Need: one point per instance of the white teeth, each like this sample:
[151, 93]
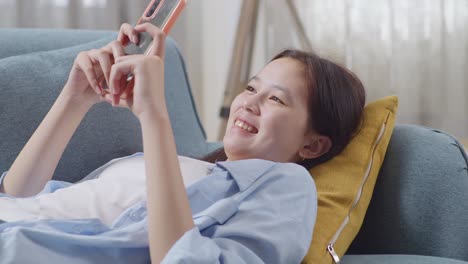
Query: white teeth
[244, 126]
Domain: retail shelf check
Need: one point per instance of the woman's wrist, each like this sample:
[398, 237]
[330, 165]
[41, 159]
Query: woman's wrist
[74, 103]
[154, 116]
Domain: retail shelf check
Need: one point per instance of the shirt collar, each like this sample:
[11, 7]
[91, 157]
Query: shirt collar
[245, 172]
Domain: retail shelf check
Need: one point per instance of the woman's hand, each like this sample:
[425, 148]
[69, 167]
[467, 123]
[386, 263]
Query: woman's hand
[145, 91]
[90, 73]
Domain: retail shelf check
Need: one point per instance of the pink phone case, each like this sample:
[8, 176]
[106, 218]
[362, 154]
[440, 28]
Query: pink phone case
[161, 13]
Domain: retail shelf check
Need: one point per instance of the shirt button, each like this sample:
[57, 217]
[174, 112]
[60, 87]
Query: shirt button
[134, 216]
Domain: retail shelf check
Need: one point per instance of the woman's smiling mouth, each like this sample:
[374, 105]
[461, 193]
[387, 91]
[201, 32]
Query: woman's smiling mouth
[246, 126]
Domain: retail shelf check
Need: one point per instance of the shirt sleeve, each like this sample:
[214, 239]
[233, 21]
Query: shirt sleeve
[51, 186]
[274, 224]
[2, 177]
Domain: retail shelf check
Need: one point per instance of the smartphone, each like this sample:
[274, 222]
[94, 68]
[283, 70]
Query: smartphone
[161, 13]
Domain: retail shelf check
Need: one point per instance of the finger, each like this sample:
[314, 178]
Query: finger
[158, 45]
[94, 56]
[105, 62]
[107, 55]
[119, 73]
[128, 33]
[85, 64]
[128, 58]
[123, 102]
[129, 86]
[117, 49]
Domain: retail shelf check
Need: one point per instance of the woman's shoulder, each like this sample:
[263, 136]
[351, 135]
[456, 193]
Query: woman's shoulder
[288, 174]
[293, 176]
[292, 171]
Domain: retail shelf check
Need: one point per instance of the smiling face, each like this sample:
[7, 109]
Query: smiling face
[269, 119]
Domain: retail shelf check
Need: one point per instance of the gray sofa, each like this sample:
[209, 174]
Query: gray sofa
[417, 214]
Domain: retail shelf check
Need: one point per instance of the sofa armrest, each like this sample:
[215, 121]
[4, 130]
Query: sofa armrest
[419, 202]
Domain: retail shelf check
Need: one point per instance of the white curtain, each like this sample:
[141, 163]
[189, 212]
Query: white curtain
[416, 49]
[87, 14]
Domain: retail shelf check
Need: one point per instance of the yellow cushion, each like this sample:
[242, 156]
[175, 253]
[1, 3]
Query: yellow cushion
[346, 182]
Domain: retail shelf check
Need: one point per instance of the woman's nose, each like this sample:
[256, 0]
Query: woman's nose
[251, 106]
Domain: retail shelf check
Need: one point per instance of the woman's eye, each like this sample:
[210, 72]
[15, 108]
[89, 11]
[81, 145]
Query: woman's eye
[276, 99]
[249, 88]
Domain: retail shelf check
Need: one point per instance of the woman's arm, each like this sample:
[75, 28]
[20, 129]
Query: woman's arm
[37, 161]
[169, 212]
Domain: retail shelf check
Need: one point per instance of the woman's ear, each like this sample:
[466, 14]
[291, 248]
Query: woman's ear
[315, 147]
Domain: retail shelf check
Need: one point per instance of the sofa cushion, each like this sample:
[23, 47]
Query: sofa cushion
[419, 204]
[345, 183]
[31, 82]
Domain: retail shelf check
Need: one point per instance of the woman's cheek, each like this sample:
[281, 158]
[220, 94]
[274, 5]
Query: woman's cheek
[236, 103]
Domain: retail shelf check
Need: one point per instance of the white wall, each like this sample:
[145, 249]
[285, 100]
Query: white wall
[205, 34]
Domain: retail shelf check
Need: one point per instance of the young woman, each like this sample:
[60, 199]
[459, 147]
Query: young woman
[258, 206]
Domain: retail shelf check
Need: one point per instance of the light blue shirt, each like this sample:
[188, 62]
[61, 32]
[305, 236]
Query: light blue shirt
[247, 211]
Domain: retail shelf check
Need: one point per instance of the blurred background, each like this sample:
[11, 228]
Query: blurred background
[415, 49]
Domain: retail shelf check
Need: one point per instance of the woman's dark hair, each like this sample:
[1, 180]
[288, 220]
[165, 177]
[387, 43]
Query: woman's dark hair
[336, 103]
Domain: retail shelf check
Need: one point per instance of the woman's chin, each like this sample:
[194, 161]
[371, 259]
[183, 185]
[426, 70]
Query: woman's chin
[236, 151]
